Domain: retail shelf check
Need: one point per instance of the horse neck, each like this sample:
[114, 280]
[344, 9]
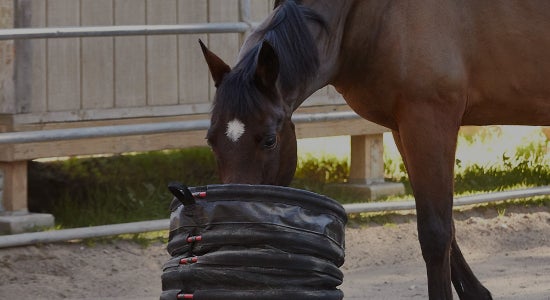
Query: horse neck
[328, 42]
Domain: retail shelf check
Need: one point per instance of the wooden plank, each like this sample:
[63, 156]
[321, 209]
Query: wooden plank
[164, 141]
[31, 60]
[105, 145]
[138, 112]
[193, 71]
[120, 121]
[318, 97]
[97, 56]
[130, 56]
[226, 46]
[325, 96]
[162, 58]
[14, 194]
[134, 115]
[7, 60]
[63, 58]
[260, 9]
[336, 128]
[112, 113]
[6, 122]
[122, 144]
[131, 112]
[39, 95]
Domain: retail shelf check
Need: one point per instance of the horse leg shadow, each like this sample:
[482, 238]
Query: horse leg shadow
[466, 284]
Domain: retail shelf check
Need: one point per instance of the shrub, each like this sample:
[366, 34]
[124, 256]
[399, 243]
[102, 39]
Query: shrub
[115, 189]
[126, 188]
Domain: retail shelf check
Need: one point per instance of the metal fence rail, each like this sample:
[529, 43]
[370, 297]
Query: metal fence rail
[461, 201]
[148, 128]
[129, 30]
[243, 26]
[158, 225]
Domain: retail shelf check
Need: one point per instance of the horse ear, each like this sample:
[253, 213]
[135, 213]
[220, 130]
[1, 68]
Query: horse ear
[217, 67]
[267, 66]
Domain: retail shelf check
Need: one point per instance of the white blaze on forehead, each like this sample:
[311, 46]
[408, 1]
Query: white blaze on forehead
[235, 129]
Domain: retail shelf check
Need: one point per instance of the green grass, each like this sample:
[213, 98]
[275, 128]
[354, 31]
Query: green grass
[116, 189]
[127, 188]
[144, 239]
[493, 209]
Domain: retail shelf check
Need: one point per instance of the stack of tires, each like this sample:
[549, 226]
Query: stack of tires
[253, 242]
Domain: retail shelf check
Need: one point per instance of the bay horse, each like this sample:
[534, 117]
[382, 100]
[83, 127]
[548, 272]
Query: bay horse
[419, 68]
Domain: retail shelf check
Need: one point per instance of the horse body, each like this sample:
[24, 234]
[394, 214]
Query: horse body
[420, 68]
[489, 59]
[427, 67]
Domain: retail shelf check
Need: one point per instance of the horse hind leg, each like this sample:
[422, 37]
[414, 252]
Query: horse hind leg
[466, 284]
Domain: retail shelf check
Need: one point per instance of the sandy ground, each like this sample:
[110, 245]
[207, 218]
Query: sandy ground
[510, 253]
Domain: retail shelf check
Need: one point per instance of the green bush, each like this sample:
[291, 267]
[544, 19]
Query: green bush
[313, 173]
[529, 166]
[525, 166]
[115, 189]
[127, 188]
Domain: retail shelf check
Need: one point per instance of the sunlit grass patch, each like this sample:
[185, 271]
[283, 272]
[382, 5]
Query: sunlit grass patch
[129, 188]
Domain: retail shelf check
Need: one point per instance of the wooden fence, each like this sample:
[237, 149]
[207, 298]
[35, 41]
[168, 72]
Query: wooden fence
[102, 81]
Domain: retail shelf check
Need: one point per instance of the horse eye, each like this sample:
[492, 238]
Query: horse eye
[270, 142]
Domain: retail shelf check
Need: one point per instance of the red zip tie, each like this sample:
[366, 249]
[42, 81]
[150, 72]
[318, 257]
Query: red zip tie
[193, 239]
[189, 260]
[184, 296]
[199, 195]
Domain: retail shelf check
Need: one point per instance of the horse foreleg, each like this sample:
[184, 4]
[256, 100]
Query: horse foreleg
[429, 162]
[433, 195]
[428, 147]
[467, 286]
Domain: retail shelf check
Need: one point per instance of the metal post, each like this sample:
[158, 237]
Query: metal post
[127, 30]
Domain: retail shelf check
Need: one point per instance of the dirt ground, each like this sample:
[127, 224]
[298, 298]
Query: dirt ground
[509, 252]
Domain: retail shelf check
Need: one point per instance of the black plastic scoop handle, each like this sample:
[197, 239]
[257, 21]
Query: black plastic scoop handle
[181, 192]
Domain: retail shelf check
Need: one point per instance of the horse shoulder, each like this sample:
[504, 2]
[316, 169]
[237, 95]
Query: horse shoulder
[406, 61]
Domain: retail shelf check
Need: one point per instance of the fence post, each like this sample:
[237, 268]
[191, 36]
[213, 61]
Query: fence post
[367, 167]
[7, 59]
[14, 214]
[546, 131]
[14, 194]
[16, 217]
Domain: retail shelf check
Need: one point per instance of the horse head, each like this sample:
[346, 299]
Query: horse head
[251, 132]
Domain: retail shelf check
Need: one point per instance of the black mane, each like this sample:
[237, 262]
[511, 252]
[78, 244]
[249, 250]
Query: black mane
[288, 34]
[279, 2]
